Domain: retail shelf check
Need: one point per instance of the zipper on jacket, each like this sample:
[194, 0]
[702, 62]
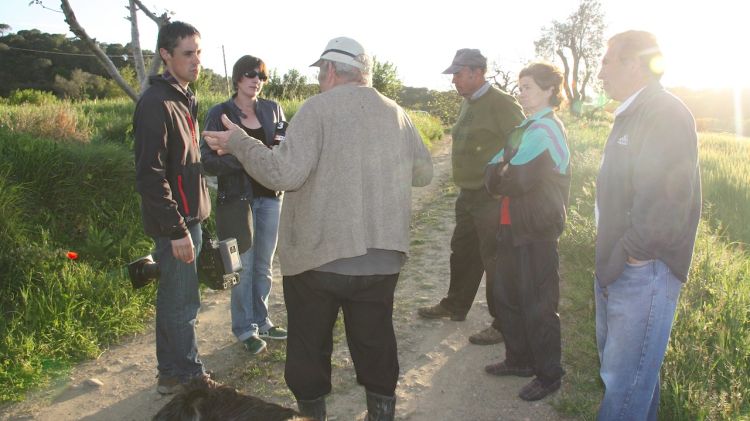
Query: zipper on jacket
[192, 127]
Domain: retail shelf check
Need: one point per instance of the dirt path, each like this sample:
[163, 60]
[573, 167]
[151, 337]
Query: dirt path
[441, 373]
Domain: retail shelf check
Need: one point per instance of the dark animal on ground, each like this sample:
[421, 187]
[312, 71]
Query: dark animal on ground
[200, 402]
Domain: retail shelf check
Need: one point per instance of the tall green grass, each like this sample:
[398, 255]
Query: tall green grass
[60, 197]
[706, 373]
[725, 172]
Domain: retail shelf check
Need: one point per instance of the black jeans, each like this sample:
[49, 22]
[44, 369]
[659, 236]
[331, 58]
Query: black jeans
[527, 293]
[312, 301]
[472, 251]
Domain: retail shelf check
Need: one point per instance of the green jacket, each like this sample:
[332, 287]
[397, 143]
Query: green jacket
[482, 129]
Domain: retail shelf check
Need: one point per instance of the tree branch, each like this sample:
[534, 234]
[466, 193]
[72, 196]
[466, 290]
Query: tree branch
[77, 29]
[160, 21]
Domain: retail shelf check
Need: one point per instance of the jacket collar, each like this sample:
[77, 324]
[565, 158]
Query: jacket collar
[536, 116]
[643, 97]
[168, 79]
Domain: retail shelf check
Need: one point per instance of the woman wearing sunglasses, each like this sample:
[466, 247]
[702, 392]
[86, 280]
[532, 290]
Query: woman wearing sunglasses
[245, 209]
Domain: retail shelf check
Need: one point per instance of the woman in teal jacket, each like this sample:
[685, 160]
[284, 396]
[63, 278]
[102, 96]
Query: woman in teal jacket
[531, 176]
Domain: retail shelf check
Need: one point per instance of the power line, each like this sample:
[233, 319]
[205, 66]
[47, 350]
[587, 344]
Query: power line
[123, 56]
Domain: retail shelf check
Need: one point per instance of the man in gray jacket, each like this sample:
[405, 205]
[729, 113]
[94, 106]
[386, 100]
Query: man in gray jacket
[648, 202]
[349, 161]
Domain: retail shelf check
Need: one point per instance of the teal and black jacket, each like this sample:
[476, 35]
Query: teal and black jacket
[537, 178]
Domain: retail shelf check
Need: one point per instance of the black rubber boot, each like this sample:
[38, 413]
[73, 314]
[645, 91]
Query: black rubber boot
[380, 408]
[315, 408]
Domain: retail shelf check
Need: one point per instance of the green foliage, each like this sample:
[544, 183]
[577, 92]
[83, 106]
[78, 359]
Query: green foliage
[726, 183]
[21, 69]
[578, 41]
[443, 105]
[210, 82]
[83, 85]
[385, 79]
[291, 86]
[55, 198]
[430, 127]
[31, 97]
[705, 372]
[55, 120]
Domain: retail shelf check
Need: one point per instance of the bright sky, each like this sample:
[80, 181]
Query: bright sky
[702, 41]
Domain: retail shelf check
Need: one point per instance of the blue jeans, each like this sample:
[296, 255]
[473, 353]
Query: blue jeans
[177, 304]
[250, 296]
[634, 318]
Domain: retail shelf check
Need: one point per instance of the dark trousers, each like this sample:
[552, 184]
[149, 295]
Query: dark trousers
[312, 301]
[527, 293]
[472, 250]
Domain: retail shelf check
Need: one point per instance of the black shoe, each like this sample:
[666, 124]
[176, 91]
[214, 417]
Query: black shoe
[315, 409]
[503, 369]
[537, 389]
[438, 311]
[380, 407]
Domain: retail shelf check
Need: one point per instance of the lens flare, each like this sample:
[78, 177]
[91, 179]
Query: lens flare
[657, 65]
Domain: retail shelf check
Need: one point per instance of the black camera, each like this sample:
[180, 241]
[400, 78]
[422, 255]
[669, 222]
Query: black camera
[218, 265]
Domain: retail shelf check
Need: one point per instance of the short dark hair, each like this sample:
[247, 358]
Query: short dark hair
[641, 46]
[546, 75]
[171, 34]
[246, 64]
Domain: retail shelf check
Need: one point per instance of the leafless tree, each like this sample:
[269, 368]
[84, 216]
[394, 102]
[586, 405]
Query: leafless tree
[505, 80]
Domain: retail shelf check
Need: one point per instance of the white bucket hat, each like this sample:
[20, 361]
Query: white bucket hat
[343, 50]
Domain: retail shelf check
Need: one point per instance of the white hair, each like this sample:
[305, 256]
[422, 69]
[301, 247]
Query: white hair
[352, 73]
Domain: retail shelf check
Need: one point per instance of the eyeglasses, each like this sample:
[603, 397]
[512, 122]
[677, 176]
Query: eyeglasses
[253, 73]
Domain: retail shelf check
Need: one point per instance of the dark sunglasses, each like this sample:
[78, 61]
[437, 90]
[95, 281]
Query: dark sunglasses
[252, 73]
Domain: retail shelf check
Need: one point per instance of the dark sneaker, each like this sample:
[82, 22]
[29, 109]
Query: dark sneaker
[537, 389]
[255, 345]
[168, 385]
[438, 311]
[273, 333]
[503, 369]
[489, 336]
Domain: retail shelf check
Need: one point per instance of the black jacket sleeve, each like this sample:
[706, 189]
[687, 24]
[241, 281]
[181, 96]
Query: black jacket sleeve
[151, 133]
[213, 163]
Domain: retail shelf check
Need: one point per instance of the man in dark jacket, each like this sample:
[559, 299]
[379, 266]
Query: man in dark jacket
[174, 200]
[648, 206]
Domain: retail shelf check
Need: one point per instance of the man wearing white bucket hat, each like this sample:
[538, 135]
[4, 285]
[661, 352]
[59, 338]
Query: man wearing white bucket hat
[348, 163]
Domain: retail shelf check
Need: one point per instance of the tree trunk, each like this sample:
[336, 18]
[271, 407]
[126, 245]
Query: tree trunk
[135, 42]
[77, 29]
[566, 75]
[160, 21]
[575, 105]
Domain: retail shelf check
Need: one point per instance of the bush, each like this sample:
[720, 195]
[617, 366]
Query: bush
[31, 96]
[58, 120]
[429, 127]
